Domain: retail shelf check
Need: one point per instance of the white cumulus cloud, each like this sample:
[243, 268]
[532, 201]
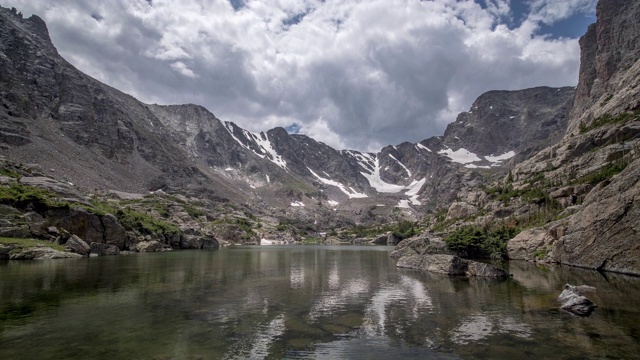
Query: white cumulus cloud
[352, 73]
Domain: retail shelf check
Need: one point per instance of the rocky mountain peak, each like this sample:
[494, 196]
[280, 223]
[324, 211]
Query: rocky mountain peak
[33, 25]
[609, 66]
[521, 121]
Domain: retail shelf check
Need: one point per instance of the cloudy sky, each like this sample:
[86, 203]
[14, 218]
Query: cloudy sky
[356, 74]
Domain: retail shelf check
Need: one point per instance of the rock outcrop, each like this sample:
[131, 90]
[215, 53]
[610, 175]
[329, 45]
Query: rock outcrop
[450, 265]
[428, 252]
[572, 299]
[605, 233]
[609, 67]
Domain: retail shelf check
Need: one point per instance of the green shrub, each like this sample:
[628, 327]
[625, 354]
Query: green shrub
[192, 211]
[404, 229]
[605, 173]
[608, 119]
[478, 243]
[144, 223]
[540, 254]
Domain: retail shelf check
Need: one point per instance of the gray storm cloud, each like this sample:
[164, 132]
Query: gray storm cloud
[353, 74]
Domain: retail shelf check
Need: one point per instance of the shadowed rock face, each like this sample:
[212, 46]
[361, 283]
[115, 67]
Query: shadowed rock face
[609, 67]
[602, 232]
[523, 121]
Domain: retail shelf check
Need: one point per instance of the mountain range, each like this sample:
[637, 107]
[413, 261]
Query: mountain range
[64, 125]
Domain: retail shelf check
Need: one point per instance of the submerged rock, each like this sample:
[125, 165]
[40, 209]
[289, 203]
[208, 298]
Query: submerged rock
[573, 301]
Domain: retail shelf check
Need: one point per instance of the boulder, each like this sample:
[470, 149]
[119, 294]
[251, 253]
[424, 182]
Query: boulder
[422, 244]
[385, 239]
[444, 264]
[148, 246]
[89, 227]
[198, 242]
[101, 249]
[5, 251]
[77, 245]
[410, 261]
[573, 301]
[41, 253]
[484, 270]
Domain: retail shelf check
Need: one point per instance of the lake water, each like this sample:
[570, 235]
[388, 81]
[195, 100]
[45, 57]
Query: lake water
[303, 302]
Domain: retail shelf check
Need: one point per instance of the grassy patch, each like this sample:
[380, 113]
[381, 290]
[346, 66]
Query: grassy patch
[312, 240]
[20, 196]
[26, 243]
[192, 211]
[9, 173]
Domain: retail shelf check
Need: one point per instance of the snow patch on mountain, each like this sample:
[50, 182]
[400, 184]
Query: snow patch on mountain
[401, 164]
[365, 160]
[297, 204]
[413, 189]
[497, 159]
[376, 181]
[420, 146]
[262, 142]
[461, 156]
[333, 203]
[351, 193]
[473, 166]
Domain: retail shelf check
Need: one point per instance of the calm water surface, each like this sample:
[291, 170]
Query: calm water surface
[316, 302]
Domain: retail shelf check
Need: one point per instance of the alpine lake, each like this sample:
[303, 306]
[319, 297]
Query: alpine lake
[304, 302]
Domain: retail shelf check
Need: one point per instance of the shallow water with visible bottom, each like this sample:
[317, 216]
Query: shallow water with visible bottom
[303, 302]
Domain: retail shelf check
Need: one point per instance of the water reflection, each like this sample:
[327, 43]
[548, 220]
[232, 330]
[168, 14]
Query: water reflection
[302, 302]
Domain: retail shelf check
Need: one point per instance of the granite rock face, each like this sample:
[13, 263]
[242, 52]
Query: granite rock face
[609, 66]
[605, 234]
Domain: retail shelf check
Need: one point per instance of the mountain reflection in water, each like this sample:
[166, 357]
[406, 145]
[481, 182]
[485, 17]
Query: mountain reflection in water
[302, 302]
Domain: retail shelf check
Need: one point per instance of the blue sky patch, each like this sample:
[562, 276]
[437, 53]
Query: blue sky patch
[293, 128]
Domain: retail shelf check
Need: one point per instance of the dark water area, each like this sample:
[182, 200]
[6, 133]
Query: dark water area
[303, 302]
